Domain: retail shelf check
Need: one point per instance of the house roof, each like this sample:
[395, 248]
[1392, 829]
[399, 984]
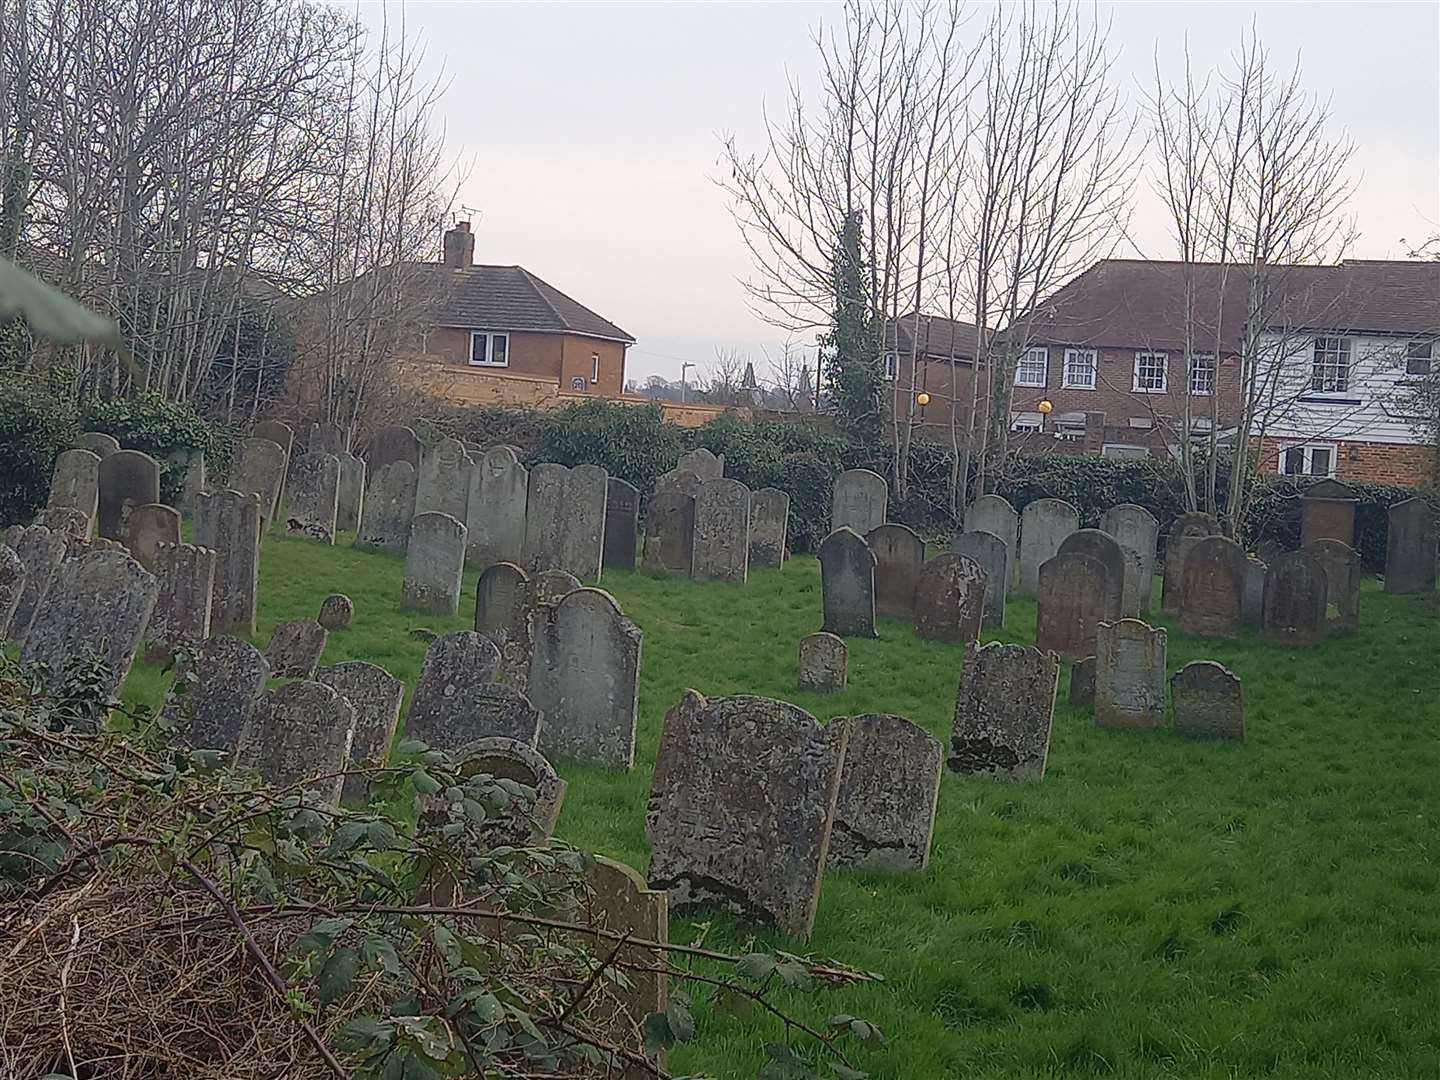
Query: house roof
[512, 298]
[937, 337]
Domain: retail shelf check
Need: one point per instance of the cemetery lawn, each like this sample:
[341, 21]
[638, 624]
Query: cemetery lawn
[1156, 907]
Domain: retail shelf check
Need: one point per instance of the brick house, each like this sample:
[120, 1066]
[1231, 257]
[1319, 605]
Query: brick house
[941, 354]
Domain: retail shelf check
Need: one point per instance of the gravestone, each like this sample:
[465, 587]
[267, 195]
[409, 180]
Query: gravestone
[1327, 512]
[76, 547]
[722, 532]
[189, 464]
[889, 784]
[97, 606]
[1137, 532]
[1071, 603]
[375, 695]
[496, 507]
[584, 678]
[258, 468]
[679, 480]
[1104, 549]
[741, 807]
[1410, 548]
[1212, 587]
[66, 519]
[391, 444]
[150, 526]
[1003, 711]
[75, 483]
[1185, 532]
[670, 533]
[504, 604]
[552, 586]
[99, 444]
[824, 663]
[1342, 585]
[525, 821]
[337, 612]
[950, 599]
[127, 479]
[41, 553]
[899, 554]
[702, 463]
[313, 497]
[1129, 675]
[434, 565]
[223, 682]
[1252, 593]
[228, 523]
[389, 508]
[185, 594]
[12, 587]
[769, 528]
[622, 524]
[1295, 593]
[328, 438]
[1209, 701]
[1082, 682]
[1044, 525]
[989, 552]
[847, 584]
[457, 699]
[295, 648]
[994, 514]
[350, 504]
[858, 501]
[278, 432]
[565, 519]
[298, 732]
[442, 482]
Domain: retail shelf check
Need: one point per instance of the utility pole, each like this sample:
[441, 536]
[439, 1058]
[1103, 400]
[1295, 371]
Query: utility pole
[683, 368]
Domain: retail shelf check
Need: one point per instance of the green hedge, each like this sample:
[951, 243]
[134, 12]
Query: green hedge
[631, 442]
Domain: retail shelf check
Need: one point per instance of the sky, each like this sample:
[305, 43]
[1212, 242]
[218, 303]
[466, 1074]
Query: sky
[589, 136]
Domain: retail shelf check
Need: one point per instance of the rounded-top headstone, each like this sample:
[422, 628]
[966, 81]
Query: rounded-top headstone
[337, 611]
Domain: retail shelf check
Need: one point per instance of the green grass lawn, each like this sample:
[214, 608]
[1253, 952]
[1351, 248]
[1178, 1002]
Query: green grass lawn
[1156, 907]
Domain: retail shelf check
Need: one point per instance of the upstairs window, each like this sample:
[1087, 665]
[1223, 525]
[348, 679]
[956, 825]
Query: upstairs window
[892, 365]
[489, 349]
[1033, 367]
[1311, 460]
[1151, 373]
[1418, 355]
[1330, 371]
[594, 367]
[1079, 369]
[1202, 373]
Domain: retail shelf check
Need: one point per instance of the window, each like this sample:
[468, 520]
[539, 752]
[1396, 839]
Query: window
[1120, 450]
[1150, 372]
[489, 350]
[1202, 373]
[1070, 425]
[1418, 355]
[1330, 373]
[1079, 369]
[892, 365]
[1027, 421]
[1033, 367]
[1308, 460]
[594, 367]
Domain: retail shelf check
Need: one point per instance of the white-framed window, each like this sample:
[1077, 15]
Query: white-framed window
[1027, 421]
[489, 349]
[1151, 373]
[1308, 459]
[1121, 450]
[892, 365]
[1033, 367]
[1079, 369]
[1142, 423]
[1330, 371]
[594, 367]
[1202, 374]
[1418, 357]
[1069, 425]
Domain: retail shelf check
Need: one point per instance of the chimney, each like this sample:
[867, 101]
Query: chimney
[459, 246]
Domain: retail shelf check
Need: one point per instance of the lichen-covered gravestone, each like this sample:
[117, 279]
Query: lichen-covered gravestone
[858, 501]
[1209, 701]
[1342, 585]
[127, 479]
[622, 524]
[1104, 549]
[949, 599]
[12, 587]
[457, 699]
[565, 519]
[899, 554]
[228, 523]
[1212, 587]
[769, 528]
[680, 480]
[702, 463]
[722, 532]
[1410, 548]
[313, 497]
[258, 468]
[389, 508]
[847, 584]
[584, 678]
[66, 519]
[223, 683]
[99, 443]
[1186, 531]
[1137, 532]
[1130, 675]
[337, 612]
[300, 731]
[824, 663]
[741, 806]
[390, 444]
[1295, 592]
[1073, 593]
[552, 586]
[375, 695]
[41, 551]
[889, 784]
[434, 565]
[504, 603]
[442, 483]
[295, 648]
[149, 527]
[1044, 525]
[525, 821]
[185, 576]
[75, 482]
[670, 532]
[1003, 712]
[993, 514]
[350, 504]
[498, 496]
[1082, 682]
[989, 552]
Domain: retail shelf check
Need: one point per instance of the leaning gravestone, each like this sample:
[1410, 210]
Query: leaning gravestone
[504, 603]
[389, 508]
[375, 695]
[75, 482]
[858, 501]
[150, 526]
[67, 520]
[1295, 592]
[1044, 525]
[1212, 588]
[391, 444]
[313, 497]
[99, 444]
[259, 469]
[12, 587]
[434, 565]
[442, 483]
[1071, 604]
[1082, 682]
[989, 552]
[824, 663]
[722, 532]
[847, 584]
[702, 463]
[1208, 701]
[622, 524]
[769, 527]
[1137, 532]
[1327, 512]
[41, 553]
[889, 784]
[1186, 531]
[350, 504]
[584, 678]
[670, 533]
[457, 699]
[993, 514]
[525, 821]
[1129, 675]
[1410, 548]
[496, 508]
[1252, 594]
[185, 595]
[1104, 549]
[228, 523]
[950, 599]
[128, 479]
[96, 606]
[223, 683]
[1003, 711]
[295, 648]
[298, 732]
[741, 806]
[899, 554]
[337, 612]
[1342, 585]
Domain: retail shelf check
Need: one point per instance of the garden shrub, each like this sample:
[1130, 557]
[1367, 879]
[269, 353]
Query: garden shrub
[159, 428]
[34, 428]
[629, 441]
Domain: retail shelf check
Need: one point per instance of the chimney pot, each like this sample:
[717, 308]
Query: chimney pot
[459, 246]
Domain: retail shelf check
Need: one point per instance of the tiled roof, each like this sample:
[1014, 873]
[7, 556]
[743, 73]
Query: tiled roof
[484, 297]
[937, 337]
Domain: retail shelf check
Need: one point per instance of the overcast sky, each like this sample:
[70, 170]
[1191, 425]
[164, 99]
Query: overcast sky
[592, 134]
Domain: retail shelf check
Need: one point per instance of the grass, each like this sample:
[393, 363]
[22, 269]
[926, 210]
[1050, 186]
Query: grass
[1156, 907]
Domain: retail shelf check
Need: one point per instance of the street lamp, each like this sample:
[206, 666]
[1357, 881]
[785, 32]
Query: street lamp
[683, 368]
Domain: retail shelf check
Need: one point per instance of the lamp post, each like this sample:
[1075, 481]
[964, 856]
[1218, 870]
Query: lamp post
[683, 368]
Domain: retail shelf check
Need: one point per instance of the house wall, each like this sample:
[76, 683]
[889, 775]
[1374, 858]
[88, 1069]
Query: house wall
[560, 357]
[950, 386]
[1413, 465]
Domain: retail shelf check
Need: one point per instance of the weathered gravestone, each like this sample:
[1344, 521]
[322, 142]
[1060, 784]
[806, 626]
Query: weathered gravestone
[504, 604]
[222, 685]
[185, 595]
[1186, 531]
[1252, 593]
[899, 554]
[1104, 549]
[278, 432]
[99, 444]
[741, 806]
[769, 528]
[1129, 675]
[1003, 711]
[679, 480]
[12, 587]
[295, 648]
[889, 784]
[824, 663]
[1082, 682]
[527, 820]
[545, 509]
[391, 444]
[858, 501]
[128, 479]
[299, 732]
[993, 514]
[457, 699]
[442, 483]
[722, 532]
[189, 464]
[1209, 701]
[350, 504]
[258, 468]
[670, 533]
[584, 678]
[1212, 588]
[328, 438]
[1044, 524]
[313, 497]
[66, 519]
[1327, 512]
[228, 523]
[41, 552]
[389, 508]
[989, 553]
[434, 565]
[847, 584]
[1295, 591]
[76, 547]
[75, 483]
[499, 492]
[950, 599]
[97, 606]
[702, 463]
[622, 524]
[565, 519]
[149, 527]
[375, 695]
[1410, 548]
[1342, 585]
[1071, 602]
[1137, 532]
[337, 612]
[552, 586]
